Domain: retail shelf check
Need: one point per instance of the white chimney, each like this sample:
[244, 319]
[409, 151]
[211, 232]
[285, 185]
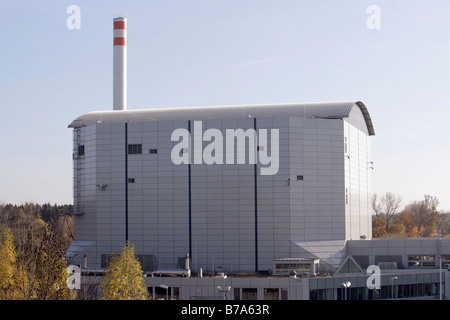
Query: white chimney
[120, 64]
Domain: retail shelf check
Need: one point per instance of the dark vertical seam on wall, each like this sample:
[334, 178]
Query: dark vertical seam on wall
[190, 194]
[256, 199]
[126, 182]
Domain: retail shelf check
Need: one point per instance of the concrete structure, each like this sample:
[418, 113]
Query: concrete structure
[410, 269]
[120, 64]
[127, 186]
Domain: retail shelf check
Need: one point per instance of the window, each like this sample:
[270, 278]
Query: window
[271, 294]
[148, 262]
[162, 293]
[445, 260]
[249, 294]
[413, 261]
[299, 177]
[237, 293]
[130, 180]
[135, 149]
[428, 261]
[153, 151]
[287, 268]
[418, 261]
[81, 150]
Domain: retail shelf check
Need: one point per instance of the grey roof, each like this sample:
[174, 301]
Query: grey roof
[327, 110]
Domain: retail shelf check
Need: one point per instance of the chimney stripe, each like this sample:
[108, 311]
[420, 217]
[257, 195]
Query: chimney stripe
[119, 41]
[119, 25]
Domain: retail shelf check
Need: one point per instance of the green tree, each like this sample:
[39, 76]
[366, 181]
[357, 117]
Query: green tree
[124, 278]
[8, 271]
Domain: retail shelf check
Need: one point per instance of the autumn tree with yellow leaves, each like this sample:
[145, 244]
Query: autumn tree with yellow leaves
[124, 278]
[8, 270]
[32, 263]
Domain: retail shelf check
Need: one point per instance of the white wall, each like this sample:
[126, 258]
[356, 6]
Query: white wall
[223, 196]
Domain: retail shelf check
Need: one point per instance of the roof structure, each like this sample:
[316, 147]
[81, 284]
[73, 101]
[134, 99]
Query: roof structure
[326, 110]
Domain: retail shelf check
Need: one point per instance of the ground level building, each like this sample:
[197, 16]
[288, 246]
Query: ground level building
[410, 269]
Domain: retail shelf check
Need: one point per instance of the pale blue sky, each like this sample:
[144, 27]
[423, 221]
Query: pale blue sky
[202, 52]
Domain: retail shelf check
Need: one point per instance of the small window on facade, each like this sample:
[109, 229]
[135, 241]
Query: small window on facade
[135, 149]
[299, 177]
[237, 293]
[130, 180]
[249, 293]
[271, 294]
[284, 294]
[417, 261]
[81, 150]
[153, 151]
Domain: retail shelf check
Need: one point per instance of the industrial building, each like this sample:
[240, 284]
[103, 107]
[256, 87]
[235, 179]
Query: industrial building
[276, 197]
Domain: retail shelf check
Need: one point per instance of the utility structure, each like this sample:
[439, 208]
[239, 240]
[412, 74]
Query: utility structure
[120, 64]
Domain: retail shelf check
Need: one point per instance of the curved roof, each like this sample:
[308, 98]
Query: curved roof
[326, 110]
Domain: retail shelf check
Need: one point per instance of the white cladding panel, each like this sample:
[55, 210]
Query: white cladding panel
[304, 201]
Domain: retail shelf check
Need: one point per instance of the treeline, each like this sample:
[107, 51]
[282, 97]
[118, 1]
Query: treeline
[33, 241]
[57, 216]
[416, 219]
[33, 266]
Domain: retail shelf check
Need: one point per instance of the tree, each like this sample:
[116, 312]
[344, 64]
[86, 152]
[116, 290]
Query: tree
[398, 228]
[41, 264]
[378, 227]
[386, 207]
[442, 225]
[51, 269]
[426, 216]
[8, 257]
[41, 238]
[124, 278]
[414, 233]
[406, 219]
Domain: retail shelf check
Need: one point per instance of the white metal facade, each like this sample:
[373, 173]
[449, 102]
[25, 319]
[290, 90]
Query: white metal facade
[228, 215]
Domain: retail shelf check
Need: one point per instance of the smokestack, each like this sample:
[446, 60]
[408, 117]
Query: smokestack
[120, 64]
